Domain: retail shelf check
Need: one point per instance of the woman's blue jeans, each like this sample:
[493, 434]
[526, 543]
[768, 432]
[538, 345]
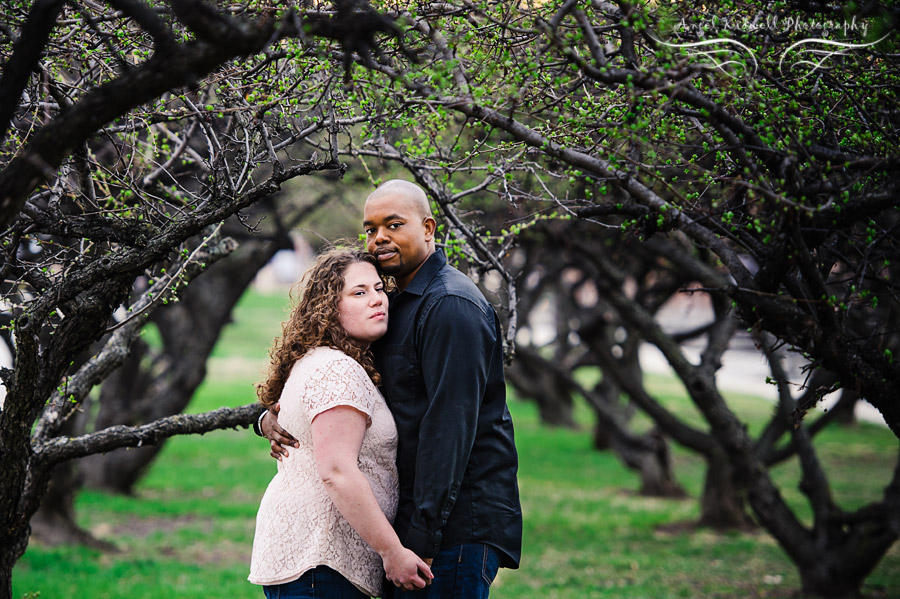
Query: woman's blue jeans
[319, 583]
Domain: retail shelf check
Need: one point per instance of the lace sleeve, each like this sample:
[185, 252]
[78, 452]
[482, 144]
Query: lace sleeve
[339, 381]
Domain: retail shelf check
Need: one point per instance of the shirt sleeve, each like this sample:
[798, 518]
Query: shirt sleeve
[337, 382]
[456, 339]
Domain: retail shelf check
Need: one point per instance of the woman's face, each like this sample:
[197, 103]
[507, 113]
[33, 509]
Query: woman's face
[363, 305]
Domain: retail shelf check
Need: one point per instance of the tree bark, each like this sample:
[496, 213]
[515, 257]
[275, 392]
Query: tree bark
[607, 391]
[722, 504]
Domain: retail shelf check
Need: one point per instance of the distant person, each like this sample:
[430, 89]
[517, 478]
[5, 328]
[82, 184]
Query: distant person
[442, 366]
[323, 527]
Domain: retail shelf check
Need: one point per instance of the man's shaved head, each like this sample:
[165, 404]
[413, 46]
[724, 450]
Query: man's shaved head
[410, 192]
[399, 229]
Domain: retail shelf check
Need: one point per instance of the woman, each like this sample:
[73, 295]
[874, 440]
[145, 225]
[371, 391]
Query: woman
[323, 525]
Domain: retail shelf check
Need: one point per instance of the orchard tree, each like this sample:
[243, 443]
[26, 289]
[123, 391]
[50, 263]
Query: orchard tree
[770, 154]
[129, 132]
[156, 381]
[554, 282]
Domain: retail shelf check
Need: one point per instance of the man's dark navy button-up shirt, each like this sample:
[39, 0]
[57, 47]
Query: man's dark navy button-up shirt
[441, 363]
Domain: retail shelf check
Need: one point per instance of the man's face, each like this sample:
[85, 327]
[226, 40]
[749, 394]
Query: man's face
[398, 235]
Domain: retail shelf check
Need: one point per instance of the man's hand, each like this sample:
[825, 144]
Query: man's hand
[279, 439]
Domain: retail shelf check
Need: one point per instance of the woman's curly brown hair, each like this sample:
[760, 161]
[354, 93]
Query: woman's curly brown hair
[314, 322]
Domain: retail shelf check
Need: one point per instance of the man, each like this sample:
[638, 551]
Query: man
[442, 365]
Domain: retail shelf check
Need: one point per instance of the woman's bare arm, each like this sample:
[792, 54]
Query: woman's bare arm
[337, 437]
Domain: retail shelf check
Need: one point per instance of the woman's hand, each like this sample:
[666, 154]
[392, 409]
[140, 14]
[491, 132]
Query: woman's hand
[278, 438]
[405, 569]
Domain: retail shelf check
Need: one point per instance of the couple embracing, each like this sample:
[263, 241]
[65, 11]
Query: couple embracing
[387, 413]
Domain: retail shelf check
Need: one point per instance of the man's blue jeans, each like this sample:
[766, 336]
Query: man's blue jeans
[319, 583]
[461, 572]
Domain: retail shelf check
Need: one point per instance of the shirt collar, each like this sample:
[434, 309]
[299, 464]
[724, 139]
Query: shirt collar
[430, 268]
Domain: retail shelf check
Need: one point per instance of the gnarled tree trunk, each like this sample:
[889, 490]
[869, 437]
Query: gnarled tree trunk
[722, 504]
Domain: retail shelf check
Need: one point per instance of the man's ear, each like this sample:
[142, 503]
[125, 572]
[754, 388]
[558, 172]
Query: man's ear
[430, 226]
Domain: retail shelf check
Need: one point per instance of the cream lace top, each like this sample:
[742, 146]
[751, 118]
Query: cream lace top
[297, 526]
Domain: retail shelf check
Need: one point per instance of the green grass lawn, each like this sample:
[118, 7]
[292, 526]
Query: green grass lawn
[189, 531]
